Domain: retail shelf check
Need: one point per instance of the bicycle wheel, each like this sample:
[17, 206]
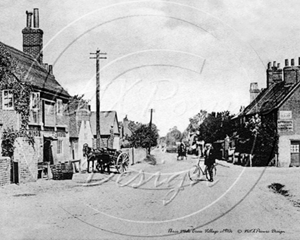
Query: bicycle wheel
[194, 173]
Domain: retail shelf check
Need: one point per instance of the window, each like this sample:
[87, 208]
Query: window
[7, 100]
[49, 115]
[34, 107]
[35, 101]
[294, 148]
[59, 146]
[59, 107]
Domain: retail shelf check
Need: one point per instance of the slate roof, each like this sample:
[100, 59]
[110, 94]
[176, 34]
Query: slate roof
[107, 119]
[270, 98]
[38, 75]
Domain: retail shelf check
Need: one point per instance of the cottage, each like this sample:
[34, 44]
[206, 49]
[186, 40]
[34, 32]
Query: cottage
[109, 129]
[48, 122]
[280, 103]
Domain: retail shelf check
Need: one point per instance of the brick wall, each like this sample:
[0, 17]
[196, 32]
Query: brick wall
[4, 171]
[28, 157]
[33, 42]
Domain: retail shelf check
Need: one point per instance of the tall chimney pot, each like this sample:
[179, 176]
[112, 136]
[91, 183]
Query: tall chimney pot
[36, 18]
[269, 65]
[286, 62]
[29, 17]
[274, 63]
[278, 65]
[292, 62]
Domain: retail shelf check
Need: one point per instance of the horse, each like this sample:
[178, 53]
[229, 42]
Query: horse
[100, 156]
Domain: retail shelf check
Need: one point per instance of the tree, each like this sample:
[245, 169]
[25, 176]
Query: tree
[144, 137]
[196, 121]
[258, 136]
[216, 126]
[173, 136]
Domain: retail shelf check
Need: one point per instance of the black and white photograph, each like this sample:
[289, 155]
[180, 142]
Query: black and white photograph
[149, 119]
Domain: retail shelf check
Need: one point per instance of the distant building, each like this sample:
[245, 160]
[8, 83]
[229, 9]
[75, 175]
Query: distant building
[280, 102]
[109, 129]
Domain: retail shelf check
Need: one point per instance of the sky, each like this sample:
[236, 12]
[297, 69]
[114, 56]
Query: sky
[177, 56]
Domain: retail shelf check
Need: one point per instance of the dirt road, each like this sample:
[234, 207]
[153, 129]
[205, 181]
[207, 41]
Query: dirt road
[156, 202]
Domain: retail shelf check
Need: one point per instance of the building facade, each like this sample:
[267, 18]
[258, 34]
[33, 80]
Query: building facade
[48, 123]
[280, 102]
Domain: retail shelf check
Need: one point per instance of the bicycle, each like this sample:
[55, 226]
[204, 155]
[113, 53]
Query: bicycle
[196, 172]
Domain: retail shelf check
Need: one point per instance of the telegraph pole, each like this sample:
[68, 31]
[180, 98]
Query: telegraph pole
[98, 57]
[150, 129]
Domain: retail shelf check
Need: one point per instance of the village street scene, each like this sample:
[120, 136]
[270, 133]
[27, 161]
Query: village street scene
[149, 120]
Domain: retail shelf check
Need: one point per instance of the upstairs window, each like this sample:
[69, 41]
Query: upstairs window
[59, 107]
[7, 100]
[35, 101]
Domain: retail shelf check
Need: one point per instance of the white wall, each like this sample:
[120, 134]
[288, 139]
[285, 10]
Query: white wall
[284, 149]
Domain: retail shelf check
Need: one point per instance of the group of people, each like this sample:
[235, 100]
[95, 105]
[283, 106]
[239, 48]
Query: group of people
[208, 154]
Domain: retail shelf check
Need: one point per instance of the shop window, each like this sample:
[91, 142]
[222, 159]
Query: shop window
[7, 100]
[59, 146]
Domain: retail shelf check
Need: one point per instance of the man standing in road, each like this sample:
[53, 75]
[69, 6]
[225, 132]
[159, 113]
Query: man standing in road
[209, 160]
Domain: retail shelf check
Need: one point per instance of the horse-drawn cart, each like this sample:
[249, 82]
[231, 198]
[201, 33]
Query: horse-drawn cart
[106, 158]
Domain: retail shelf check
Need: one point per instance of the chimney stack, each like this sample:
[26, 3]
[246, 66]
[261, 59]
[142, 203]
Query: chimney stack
[33, 37]
[286, 62]
[36, 18]
[254, 91]
[290, 73]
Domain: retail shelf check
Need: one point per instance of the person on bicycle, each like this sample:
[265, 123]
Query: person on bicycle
[209, 160]
[181, 151]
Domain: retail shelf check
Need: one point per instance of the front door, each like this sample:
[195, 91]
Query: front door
[295, 153]
[48, 157]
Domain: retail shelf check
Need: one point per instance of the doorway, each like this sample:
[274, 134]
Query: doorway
[47, 155]
[295, 153]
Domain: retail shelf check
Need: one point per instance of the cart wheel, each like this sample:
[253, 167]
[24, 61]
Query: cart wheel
[122, 162]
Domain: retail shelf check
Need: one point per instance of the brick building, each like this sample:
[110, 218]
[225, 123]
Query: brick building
[280, 102]
[48, 121]
[109, 129]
